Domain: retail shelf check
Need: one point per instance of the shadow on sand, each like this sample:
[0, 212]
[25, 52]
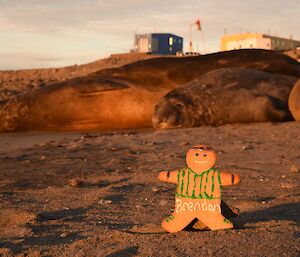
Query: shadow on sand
[51, 235]
[45, 234]
[287, 212]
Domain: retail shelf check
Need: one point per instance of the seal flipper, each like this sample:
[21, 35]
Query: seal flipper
[96, 86]
[88, 85]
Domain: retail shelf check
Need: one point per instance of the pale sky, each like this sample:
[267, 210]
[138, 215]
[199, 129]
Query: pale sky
[54, 33]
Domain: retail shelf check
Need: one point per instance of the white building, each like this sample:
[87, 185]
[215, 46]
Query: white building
[256, 40]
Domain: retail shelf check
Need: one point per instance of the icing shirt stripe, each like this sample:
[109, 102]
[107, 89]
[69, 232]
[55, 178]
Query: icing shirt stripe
[205, 183]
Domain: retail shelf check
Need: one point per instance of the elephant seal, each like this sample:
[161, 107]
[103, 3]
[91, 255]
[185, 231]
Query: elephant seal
[87, 103]
[173, 72]
[124, 97]
[229, 95]
[294, 101]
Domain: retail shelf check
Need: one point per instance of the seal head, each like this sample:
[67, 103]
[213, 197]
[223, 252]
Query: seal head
[173, 111]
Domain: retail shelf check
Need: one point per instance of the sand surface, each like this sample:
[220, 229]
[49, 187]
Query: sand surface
[97, 194]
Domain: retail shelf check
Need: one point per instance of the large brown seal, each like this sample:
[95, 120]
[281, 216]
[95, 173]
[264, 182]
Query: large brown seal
[124, 97]
[87, 103]
[222, 96]
[294, 101]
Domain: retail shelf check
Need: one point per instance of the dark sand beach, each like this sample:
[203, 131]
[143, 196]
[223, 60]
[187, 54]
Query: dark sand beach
[97, 194]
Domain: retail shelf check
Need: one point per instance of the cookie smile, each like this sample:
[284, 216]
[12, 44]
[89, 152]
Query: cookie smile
[200, 161]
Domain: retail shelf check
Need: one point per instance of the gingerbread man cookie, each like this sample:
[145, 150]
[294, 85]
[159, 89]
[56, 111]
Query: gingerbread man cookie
[198, 193]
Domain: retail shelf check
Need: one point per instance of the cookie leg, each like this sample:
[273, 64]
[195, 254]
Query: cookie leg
[227, 211]
[177, 221]
[215, 221]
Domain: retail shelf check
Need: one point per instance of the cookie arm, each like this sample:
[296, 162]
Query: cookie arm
[168, 176]
[228, 179]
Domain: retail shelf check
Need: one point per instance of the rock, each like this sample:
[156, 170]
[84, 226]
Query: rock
[294, 169]
[155, 189]
[247, 147]
[75, 182]
[287, 185]
[64, 234]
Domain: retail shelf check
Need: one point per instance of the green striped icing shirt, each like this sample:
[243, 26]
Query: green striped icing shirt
[206, 185]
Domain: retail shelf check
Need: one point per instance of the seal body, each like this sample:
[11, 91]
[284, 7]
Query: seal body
[93, 104]
[124, 97]
[294, 101]
[229, 95]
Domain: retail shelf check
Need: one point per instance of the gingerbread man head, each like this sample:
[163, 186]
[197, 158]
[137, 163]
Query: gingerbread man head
[201, 158]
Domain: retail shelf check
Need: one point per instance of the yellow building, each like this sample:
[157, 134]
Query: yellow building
[256, 40]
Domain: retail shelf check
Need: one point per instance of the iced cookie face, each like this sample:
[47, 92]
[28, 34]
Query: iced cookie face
[201, 158]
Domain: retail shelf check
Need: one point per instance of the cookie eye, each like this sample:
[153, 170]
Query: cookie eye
[204, 155]
[196, 154]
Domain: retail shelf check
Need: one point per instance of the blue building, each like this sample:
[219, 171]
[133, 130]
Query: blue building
[158, 43]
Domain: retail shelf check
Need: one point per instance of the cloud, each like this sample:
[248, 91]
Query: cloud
[106, 26]
[55, 16]
[114, 16]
